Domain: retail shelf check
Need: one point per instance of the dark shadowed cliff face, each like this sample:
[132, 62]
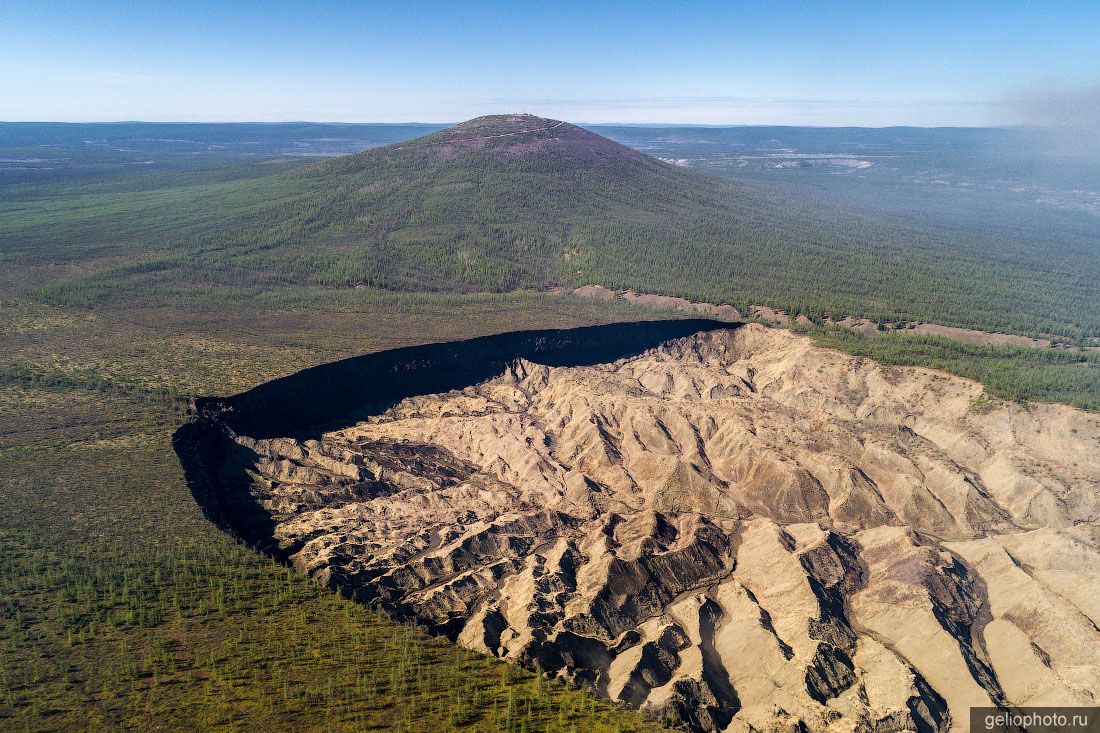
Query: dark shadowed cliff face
[337, 394]
[728, 526]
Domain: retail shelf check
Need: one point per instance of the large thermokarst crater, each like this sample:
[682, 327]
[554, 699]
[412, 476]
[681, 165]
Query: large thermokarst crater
[733, 528]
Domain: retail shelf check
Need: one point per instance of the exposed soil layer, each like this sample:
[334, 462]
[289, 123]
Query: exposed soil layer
[780, 318]
[726, 525]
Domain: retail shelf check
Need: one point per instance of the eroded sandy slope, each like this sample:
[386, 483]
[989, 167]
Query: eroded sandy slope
[739, 530]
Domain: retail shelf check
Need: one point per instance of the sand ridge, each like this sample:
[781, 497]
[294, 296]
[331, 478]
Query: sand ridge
[738, 530]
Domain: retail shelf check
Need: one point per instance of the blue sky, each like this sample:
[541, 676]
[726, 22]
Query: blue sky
[832, 63]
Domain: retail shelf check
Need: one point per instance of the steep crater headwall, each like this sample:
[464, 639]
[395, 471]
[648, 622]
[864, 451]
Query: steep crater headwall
[306, 403]
[727, 526]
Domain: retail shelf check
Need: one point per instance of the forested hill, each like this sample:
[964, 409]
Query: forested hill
[507, 202]
[496, 202]
[514, 136]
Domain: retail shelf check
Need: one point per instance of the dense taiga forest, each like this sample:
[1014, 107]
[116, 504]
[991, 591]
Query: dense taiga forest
[121, 607]
[437, 214]
[126, 288]
[548, 368]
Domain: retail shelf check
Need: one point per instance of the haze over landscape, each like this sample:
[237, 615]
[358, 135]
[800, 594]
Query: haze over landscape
[787, 62]
[480, 367]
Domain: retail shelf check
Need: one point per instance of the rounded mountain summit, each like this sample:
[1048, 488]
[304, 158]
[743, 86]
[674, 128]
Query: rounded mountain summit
[518, 201]
[515, 135]
[513, 202]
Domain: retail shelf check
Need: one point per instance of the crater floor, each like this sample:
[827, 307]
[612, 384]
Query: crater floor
[736, 530]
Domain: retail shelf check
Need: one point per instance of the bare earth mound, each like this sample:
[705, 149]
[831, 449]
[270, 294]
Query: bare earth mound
[736, 530]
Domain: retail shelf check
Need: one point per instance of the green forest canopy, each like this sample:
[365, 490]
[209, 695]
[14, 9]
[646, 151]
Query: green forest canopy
[486, 206]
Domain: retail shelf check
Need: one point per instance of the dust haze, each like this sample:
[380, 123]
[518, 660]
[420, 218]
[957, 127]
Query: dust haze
[1070, 116]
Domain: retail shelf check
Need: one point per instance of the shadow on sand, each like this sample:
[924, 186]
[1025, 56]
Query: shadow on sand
[305, 404]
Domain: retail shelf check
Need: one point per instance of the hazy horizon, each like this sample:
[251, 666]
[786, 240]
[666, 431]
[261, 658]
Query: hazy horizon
[457, 121]
[443, 120]
[784, 63]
